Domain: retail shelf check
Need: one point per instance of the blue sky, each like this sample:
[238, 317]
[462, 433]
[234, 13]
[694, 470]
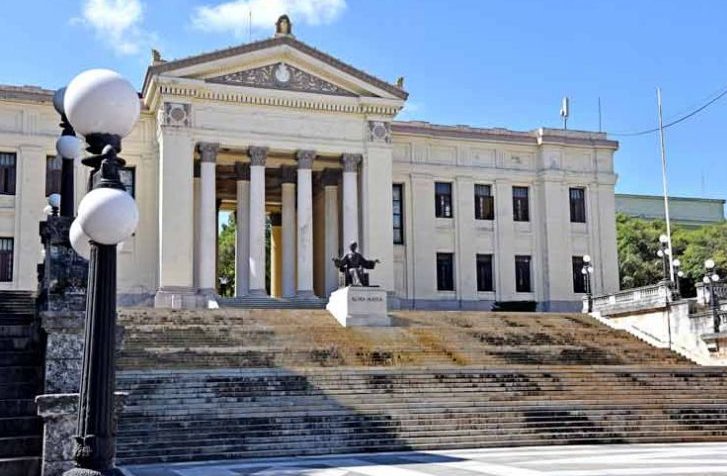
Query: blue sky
[481, 63]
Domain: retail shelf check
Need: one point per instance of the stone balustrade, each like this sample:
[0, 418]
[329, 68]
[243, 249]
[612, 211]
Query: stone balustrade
[703, 297]
[630, 300]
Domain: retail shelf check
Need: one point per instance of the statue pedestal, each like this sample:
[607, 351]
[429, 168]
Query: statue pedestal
[359, 306]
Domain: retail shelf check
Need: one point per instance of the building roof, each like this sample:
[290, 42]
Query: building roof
[269, 43]
[25, 93]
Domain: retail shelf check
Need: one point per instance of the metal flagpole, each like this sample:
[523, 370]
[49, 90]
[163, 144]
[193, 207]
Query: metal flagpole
[664, 181]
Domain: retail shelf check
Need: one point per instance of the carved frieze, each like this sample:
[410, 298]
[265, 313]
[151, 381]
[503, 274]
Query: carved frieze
[177, 114]
[380, 131]
[281, 76]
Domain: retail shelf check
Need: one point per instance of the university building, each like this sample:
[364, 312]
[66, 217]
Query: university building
[459, 217]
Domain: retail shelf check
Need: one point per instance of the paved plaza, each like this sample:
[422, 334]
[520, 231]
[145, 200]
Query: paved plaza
[702, 459]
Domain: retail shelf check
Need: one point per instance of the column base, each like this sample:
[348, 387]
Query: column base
[305, 295]
[177, 297]
[257, 293]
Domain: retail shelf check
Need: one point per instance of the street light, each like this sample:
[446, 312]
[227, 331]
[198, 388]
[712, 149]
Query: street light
[679, 275]
[710, 277]
[69, 147]
[587, 271]
[54, 202]
[663, 253]
[103, 107]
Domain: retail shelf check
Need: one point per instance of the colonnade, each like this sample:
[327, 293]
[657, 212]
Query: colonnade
[295, 220]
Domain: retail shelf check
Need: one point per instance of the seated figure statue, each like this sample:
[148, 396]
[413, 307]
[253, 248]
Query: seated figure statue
[352, 265]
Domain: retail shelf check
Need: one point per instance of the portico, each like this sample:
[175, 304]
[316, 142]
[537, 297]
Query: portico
[258, 184]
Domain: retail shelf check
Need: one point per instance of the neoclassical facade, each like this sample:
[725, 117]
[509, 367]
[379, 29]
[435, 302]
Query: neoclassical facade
[278, 132]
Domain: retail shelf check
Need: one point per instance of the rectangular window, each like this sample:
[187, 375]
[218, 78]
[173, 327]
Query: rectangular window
[578, 205]
[398, 212]
[6, 259]
[484, 273]
[128, 178]
[7, 173]
[522, 274]
[443, 200]
[520, 204]
[53, 166]
[445, 271]
[484, 203]
[579, 279]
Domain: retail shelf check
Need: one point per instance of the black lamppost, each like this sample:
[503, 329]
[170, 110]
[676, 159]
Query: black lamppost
[587, 271]
[710, 277]
[679, 274]
[663, 253]
[103, 107]
[69, 147]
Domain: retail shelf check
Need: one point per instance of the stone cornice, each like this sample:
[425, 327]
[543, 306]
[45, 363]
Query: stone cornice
[25, 93]
[269, 43]
[541, 136]
[191, 89]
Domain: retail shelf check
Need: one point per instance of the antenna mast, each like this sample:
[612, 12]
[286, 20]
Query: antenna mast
[565, 111]
[664, 182]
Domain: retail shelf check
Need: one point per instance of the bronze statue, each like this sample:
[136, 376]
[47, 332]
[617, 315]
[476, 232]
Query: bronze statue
[352, 265]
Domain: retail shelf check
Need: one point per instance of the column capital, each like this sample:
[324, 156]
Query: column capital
[208, 151]
[242, 171]
[287, 174]
[257, 155]
[329, 177]
[305, 158]
[350, 162]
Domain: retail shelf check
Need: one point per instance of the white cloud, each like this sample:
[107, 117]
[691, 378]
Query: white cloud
[117, 22]
[235, 16]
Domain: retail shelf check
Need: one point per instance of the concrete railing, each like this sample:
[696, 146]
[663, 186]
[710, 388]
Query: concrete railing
[629, 300]
[703, 297]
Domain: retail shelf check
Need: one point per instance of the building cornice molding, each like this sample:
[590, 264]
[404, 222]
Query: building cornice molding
[190, 89]
[538, 137]
[25, 93]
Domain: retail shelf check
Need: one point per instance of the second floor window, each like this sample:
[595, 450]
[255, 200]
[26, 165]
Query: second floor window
[484, 203]
[398, 213]
[520, 204]
[578, 205]
[522, 274]
[53, 166]
[445, 271]
[7, 173]
[443, 200]
[484, 273]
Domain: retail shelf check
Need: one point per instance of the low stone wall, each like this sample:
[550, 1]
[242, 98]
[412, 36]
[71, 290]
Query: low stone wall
[59, 413]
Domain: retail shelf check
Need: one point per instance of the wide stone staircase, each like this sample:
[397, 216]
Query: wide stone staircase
[21, 373]
[243, 383]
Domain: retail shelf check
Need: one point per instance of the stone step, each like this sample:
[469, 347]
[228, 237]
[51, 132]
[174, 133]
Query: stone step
[393, 444]
[19, 374]
[7, 330]
[10, 407]
[20, 426]
[15, 343]
[20, 358]
[20, 446]
[22, 466]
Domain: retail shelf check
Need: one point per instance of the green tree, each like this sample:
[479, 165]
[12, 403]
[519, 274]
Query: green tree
[226, 256]
[638, 243]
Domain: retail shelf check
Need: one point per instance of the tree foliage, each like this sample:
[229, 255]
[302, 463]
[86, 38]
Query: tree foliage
[226, 256]
[638, 243]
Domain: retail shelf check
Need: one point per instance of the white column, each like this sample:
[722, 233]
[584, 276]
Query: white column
[257, 219]
[287, 186]
[329, 180]
[207, 221]
[350, 198]
[242, 238]
[305, 223]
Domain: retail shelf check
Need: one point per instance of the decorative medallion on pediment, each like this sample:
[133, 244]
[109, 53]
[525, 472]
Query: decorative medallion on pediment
[281, 76]
[380, 131]
[177, 114]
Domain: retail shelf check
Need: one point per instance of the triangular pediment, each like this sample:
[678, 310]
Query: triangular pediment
[282, 76]
[281, 63]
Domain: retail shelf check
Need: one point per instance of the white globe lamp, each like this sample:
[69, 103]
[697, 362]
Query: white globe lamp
[101, 101]
[58, 100]
[108, 215]
[69, 147]
[80, 240]
[586, 258]
[709, 264]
